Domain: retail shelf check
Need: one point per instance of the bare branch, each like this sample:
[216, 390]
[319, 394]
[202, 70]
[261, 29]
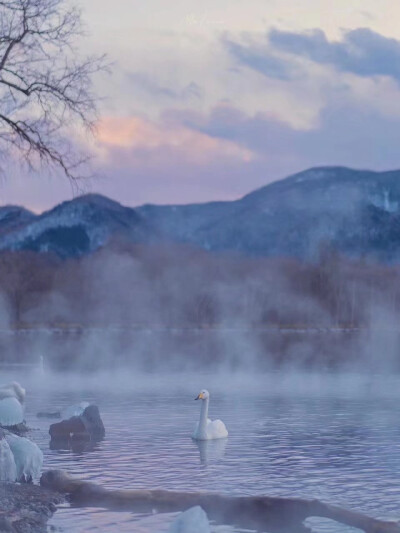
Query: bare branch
[46, 86]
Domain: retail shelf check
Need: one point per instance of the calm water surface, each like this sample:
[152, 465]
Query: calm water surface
[326, 437]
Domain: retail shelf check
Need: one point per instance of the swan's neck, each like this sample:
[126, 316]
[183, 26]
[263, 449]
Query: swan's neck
[203, 416]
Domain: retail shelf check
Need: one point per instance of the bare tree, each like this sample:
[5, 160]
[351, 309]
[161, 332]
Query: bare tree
[45, 84]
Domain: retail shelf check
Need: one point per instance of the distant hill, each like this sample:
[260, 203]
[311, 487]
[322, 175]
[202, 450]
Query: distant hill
[356, 212]
[74, 227]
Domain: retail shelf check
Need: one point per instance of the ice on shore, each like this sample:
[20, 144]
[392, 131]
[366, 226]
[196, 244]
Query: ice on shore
[11, 412]
[74, 410]
[8, 468]
[190, 521]
[28, 457]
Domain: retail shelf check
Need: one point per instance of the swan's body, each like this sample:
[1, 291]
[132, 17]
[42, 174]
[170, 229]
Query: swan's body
[28, 457]
[190, 521]
[207, 429]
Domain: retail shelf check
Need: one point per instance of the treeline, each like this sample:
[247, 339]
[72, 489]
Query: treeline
[182, 287]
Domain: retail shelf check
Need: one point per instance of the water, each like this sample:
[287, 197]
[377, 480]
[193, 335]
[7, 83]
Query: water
[332, 438]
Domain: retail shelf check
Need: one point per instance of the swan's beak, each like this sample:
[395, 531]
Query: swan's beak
[199, 397]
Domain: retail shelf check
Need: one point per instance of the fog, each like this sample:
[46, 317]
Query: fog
[168, 309]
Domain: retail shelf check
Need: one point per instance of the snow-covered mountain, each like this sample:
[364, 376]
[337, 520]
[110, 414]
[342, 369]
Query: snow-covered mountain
[355, 211]
[75, 227]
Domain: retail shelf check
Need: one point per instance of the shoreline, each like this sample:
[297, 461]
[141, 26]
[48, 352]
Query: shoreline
[26, 508]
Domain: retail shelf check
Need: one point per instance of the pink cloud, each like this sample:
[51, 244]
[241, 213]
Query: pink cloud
[140, 136]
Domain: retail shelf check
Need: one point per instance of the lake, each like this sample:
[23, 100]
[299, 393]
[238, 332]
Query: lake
[331, 437]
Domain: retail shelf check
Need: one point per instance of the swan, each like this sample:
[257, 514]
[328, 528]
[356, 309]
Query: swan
[12, 397]
[194, 519]
[207, 429]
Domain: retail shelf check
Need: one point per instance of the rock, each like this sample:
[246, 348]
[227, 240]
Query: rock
[25, 508]
[74, 410]
[18, 429]
[93, 422]
[86, 426]
[68, 428]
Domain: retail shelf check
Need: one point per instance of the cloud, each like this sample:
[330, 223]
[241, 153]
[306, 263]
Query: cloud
[361, 51]
[349, 133]
[140, 135]
[143, 82]
[258, 58]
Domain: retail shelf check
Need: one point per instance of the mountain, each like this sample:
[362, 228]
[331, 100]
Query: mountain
[77, 227]
[355, 211]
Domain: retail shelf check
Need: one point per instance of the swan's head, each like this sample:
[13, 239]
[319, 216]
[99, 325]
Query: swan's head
[19, 391]
[204, 395]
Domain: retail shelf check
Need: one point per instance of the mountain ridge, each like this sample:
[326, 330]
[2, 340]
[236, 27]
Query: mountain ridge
[355, 211]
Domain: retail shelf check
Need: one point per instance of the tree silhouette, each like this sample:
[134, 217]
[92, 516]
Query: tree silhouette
[46, 85]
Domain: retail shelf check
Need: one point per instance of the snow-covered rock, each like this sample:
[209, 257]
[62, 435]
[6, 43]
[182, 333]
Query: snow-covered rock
[194, 520]
[74, 410]
[12, 390]
[8, 468]
[28, 457]
[11, 412]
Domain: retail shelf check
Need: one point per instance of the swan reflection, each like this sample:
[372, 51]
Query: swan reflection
[211, 451]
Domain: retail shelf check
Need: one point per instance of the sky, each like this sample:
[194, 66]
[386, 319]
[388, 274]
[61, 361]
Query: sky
[208, 101]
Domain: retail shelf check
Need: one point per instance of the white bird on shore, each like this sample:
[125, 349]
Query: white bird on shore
[12, 397]
[207, 429]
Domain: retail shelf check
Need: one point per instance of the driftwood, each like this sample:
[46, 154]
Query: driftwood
[251, 512]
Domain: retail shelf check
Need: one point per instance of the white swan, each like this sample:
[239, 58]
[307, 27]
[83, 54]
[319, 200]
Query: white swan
[190, 521]
[207, 429]
[12, 397]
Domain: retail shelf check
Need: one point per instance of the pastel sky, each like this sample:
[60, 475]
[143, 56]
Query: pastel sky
[210, 100]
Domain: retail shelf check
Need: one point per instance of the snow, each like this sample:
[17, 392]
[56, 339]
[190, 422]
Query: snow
[27, 455]
[74, 410]
[11, 412]
[8, 469]
[194, 520]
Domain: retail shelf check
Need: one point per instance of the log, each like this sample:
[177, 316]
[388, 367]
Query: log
[277, 515]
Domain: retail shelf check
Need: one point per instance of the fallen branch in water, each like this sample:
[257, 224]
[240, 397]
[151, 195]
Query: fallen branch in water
[252, 512]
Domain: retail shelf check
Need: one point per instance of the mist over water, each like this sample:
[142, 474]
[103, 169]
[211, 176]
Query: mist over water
[165, 309]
